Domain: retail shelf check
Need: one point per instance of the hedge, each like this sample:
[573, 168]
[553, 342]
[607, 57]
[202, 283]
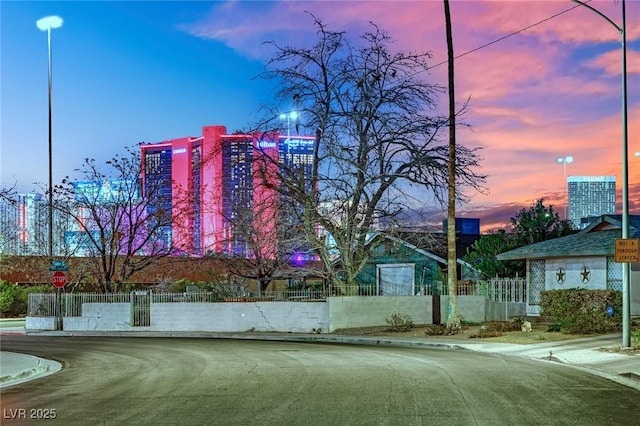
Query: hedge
[583, 311]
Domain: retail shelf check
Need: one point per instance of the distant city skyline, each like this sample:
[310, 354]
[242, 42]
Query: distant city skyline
[130, 72]
[590, 196]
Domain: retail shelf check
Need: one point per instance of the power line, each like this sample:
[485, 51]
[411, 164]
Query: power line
[511, 34]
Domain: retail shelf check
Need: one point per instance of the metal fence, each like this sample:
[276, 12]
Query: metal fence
[43, 305]
[512, 290]
[46, 305]
[507, 290]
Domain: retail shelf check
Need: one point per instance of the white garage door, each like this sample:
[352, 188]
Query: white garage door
[396, 279]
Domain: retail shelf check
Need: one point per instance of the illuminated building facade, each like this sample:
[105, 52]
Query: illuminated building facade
[24, 226]
[590, 196]
[226, 182]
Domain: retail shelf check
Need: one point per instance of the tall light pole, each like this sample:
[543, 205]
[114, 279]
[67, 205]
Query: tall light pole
[564, 161]
[626, 270]
[47, 24]
[293, 115]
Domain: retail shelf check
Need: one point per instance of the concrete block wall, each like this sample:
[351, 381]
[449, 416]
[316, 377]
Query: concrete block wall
[40, 323]
[500, 311]
[297, 317]
[471, 308]
[357, 311]
[101, 316]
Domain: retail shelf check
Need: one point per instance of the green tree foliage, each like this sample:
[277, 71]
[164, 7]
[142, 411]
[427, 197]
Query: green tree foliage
[7, 294]
[538, 223]
[531, 225]
[482, 255]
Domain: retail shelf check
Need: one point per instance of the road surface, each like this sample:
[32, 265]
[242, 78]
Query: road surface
[171, 381]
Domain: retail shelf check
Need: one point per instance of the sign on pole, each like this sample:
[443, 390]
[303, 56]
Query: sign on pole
[627, 250]
[59, 279]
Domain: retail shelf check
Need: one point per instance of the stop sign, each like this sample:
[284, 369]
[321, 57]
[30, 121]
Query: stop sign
[59, 279]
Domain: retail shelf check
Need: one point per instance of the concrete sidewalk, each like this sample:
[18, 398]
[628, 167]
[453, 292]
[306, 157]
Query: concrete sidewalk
[581, 353]
[18, 368]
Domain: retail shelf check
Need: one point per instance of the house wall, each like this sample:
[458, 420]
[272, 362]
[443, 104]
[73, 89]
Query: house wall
[575, 276]
[573, 267]
[426, 269]
[634, 289]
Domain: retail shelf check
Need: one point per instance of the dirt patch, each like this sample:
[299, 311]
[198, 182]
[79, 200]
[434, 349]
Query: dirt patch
[538, 334]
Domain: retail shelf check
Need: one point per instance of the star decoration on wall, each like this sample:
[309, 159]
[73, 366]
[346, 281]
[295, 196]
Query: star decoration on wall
[561, 275]
[585, 274]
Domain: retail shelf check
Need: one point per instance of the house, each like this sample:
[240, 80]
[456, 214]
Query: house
[398, 267]
[582, 260]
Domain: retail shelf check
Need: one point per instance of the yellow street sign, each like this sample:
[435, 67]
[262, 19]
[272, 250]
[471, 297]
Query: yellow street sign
[627, 250]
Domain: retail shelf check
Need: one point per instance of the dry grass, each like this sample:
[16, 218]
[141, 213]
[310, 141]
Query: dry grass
[537, 334]
[495, 331]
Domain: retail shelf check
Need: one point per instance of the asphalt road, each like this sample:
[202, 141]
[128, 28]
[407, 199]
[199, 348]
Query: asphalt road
[131, 381]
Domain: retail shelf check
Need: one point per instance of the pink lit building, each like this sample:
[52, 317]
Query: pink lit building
[215, 173]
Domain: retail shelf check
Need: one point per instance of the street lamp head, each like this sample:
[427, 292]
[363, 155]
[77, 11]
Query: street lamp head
[290, 115]
[568, 160]
[637, 154]
[49, 23]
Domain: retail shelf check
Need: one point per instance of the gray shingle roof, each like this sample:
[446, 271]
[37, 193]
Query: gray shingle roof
[598, 239]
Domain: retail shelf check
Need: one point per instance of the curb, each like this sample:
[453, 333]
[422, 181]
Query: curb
[311, 338]
[42, 367]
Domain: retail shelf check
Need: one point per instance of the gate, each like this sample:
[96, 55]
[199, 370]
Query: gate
[140, 309]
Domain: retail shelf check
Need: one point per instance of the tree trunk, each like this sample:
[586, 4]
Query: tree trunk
[264, 284]
[453, 320]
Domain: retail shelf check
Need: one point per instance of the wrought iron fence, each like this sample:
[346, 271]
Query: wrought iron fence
[507, 290]
[46, 305]
[42, 305]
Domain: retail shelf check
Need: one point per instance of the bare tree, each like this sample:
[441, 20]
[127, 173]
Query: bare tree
[123, 224]
[262, 242]
[376, 140]
[7, 193]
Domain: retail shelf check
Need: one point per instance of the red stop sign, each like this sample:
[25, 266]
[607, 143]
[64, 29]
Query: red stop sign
[59, 279]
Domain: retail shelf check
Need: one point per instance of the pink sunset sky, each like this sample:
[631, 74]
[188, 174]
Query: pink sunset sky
[551, 91]
[162, 69]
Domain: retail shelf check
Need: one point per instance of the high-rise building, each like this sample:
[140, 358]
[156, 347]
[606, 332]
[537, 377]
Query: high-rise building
[24, 226]
[219, 185]
[590, 196]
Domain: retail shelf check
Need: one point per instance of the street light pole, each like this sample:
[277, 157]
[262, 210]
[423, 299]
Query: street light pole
[626, 270]
[47, 24]
[564, 161]
[289, 116]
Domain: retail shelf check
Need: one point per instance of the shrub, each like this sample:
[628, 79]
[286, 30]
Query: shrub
[400, 322]
[554, 328]
[21, 299]
[583, 311]
[7, 295]
[635, 339]
[500, 326]
[485, 332]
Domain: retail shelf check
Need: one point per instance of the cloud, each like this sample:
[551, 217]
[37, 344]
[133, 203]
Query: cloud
[611, 62]
[549, 90]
